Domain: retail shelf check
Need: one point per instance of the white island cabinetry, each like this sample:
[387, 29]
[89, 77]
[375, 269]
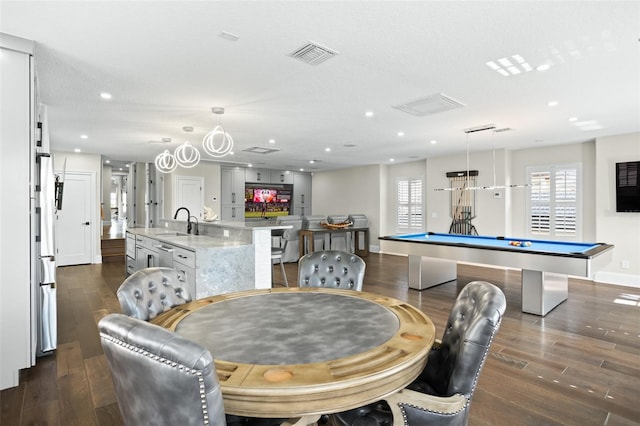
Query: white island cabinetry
[207, 265]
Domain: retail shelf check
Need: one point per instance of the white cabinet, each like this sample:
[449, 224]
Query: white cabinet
[232, 193]
[253, 175]
[281, 176]
[257, 175]
[131, 254]
[147, 254]
[302, 194]
[184, 261]
[17, 309]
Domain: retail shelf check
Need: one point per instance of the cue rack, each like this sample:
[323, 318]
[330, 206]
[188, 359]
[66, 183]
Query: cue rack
[462, 202]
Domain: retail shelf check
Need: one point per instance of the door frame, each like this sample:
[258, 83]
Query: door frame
[93, 213]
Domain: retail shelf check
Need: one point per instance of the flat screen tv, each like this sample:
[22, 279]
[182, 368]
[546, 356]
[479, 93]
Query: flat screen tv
[627, 187]
[265, 201]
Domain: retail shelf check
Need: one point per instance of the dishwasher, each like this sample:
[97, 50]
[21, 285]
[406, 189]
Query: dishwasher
[165, 257]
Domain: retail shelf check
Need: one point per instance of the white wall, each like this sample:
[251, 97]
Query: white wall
[346, 191]
[212, 185]
[582, 153]
[619, 229]
[415, 169]
[491, 213]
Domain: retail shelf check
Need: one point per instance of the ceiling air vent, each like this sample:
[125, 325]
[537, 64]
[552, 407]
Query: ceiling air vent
[260, 150]
[432, 104]
[313, 53]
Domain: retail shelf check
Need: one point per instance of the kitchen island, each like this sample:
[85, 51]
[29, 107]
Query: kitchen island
[225, 257]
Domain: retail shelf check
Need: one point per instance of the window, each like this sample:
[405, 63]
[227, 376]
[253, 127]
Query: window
[553, 201]
[409, 205]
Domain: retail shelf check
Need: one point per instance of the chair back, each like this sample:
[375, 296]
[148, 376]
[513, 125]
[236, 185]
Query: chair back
[474, 319]
[149, 292]
[159, 377]
[331, 269]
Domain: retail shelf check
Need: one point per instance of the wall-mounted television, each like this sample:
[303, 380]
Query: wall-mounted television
[267, 200]
[627, 187]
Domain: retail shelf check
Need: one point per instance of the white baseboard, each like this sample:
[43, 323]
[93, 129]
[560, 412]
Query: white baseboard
[627, 280]
[97, 259]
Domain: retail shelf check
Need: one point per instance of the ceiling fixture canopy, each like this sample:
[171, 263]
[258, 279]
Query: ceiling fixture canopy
[218, 143]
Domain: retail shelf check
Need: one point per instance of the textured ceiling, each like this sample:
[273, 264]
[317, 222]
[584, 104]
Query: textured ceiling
[166, 65]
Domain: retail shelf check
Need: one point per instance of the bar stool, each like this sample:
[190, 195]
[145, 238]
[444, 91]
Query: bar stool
[277, 252]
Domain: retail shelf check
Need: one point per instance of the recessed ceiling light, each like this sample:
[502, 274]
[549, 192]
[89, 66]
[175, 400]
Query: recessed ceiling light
[311, 161]
[433, 142]
[400, 133]
[327, 149]
[572, 119]
[272, 141]
[127, 165]
[76, 150]
[368, 114]
[302, 170]
[120, 169]
[105, 95]
[107, 161]
[552, 103]
[392, 160]
[84, 137]
[249, 165]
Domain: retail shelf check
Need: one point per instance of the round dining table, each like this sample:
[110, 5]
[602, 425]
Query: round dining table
[302, 352]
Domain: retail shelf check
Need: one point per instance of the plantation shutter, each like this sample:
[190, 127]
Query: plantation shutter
[539, 214]
[553, 201]
[409, 206]
[565, 202]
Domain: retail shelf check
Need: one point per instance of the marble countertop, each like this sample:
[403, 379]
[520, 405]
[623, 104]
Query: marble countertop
[184, 240]
[250, 225]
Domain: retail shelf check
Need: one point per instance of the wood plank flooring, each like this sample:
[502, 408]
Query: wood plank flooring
[579, 365]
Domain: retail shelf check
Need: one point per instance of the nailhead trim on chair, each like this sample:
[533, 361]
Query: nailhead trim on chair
[180, 367]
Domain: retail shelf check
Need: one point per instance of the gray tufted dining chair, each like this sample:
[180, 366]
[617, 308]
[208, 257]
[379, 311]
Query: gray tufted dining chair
[442, 394]
[331, 269]
[159, 377]
[149, 292]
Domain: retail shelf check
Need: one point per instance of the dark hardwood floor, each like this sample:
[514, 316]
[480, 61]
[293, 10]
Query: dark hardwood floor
[579, 365]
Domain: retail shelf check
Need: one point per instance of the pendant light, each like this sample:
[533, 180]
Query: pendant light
[217, 143]
[468, 185]
[165, 161]
[187, 155]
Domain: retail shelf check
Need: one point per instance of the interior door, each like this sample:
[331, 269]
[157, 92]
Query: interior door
[189, 194]
[73, 221]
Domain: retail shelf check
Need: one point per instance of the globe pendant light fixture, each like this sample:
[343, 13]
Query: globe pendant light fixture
[187, 155]
[217, 143]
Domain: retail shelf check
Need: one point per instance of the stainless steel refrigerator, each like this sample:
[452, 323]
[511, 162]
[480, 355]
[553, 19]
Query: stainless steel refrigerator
[44, 279]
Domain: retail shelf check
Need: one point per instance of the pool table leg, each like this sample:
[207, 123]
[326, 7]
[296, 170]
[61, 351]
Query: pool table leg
[426, 272]
[543, 291]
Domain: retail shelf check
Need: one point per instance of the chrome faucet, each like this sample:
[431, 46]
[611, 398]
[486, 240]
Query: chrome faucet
[175, 216]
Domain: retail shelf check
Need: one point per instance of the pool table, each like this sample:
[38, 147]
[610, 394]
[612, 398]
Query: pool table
[545, 264]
